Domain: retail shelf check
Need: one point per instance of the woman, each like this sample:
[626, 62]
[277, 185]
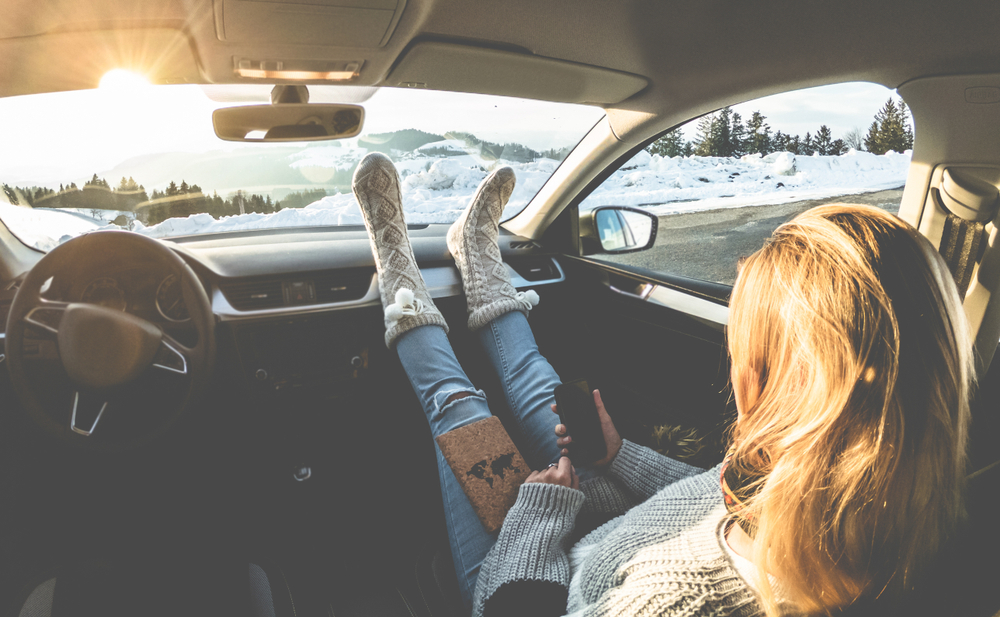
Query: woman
[851, 369]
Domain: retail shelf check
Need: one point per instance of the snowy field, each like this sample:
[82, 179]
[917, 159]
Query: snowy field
[436, 188]
[665, 185]
[46, 228]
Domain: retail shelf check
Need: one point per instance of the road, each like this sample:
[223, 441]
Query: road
[706, 245]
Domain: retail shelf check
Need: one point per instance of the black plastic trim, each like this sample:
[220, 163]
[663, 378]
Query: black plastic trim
[713, 292]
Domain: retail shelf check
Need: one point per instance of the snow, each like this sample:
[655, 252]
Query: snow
[437, 188]
[44, 228]
[453, 145]
[671, 185]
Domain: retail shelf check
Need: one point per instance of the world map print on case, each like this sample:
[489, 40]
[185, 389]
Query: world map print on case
[497, 468]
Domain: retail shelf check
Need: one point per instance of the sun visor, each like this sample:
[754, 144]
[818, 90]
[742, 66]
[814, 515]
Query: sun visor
[78, 60]
[463, 68]
[340, 23]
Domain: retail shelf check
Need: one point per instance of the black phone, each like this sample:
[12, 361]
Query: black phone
[575, 404]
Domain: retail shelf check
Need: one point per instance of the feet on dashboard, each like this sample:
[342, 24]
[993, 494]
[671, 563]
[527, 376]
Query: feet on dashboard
[405, 298]
[473, 242]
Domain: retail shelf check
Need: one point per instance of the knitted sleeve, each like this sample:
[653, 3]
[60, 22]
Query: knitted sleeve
[643, 472]
[531, 545]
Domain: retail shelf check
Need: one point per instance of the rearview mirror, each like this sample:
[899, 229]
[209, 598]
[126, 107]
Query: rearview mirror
[617, 229]
[288, 122]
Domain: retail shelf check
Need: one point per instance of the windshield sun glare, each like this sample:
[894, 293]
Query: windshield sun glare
[146, 158]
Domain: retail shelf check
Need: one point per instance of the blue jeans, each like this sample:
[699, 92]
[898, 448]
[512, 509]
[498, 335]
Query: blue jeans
[528, 382]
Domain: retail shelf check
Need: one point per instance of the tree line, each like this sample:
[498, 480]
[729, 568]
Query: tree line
[176, 200]
[724, 133]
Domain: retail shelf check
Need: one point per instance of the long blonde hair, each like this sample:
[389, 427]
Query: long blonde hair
[853, 359]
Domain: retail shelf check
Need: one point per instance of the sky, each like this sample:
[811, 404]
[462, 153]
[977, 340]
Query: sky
[59, 136]
[841, 107]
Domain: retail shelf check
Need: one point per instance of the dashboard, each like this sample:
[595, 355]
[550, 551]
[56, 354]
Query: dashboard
[134, 291]
[297, 307]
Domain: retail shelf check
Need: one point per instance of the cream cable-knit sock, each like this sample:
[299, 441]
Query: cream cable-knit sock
[472, 240]
[404, 294]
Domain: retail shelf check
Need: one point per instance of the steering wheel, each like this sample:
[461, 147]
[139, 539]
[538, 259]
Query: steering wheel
[114, 381]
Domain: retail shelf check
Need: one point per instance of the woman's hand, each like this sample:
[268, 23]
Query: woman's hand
[611, 438]
[561, 473]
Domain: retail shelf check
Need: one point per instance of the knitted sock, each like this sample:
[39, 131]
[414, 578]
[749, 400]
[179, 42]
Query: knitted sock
[404, 294]
[472, 240]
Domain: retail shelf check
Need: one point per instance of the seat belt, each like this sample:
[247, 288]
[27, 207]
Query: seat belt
[970, 201]
[962, 246]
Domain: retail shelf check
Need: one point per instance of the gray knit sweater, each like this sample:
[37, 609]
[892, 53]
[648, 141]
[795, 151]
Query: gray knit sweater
[659, 556]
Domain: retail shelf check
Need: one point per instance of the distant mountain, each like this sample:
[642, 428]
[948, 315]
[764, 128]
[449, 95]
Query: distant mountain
[216, 170]
[266, 169]
[406, 140]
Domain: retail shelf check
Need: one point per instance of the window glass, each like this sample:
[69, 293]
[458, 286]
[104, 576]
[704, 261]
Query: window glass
[722, 183]
[147, 158]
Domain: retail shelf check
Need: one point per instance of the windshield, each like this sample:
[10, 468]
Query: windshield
[146, 158]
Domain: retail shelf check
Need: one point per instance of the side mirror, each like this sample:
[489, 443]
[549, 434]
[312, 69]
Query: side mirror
[617, 229]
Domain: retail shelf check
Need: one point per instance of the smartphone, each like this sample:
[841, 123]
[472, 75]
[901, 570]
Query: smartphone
[575, 404]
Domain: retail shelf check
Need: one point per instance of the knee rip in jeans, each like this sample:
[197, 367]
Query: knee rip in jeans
[444, 400]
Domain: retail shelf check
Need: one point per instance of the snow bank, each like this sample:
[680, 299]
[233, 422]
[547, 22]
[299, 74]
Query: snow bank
[45, 228]
[437, 188]
[666, 185]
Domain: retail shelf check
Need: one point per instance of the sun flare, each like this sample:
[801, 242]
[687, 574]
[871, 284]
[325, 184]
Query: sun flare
[118, 79]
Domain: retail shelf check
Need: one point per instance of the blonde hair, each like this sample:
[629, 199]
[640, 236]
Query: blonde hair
[852, 364]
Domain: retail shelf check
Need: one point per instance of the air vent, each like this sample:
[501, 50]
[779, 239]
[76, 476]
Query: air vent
[542, 269]
[254, 295]
[340, 287]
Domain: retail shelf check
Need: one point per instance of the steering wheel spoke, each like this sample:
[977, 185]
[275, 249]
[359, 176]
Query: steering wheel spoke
[172, 356]
[118, 371]
[47, 316]
[86, 414]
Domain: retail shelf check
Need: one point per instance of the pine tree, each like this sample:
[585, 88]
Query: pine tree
[759, 135]
[890, 130]
[838, 147]
[807, 147]
[904, 115]
[670, 144]
[873, 140]
[824, 141]
[704, 145]
[737, 137]
[10, 194]
[779, 143]
[724, 133]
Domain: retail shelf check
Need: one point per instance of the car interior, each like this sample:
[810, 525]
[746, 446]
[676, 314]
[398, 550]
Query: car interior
[276, 432]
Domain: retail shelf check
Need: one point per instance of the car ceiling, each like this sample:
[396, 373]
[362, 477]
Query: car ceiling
[654, 59]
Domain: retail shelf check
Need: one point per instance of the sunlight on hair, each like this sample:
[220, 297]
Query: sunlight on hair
[840, 419]
[121, 79]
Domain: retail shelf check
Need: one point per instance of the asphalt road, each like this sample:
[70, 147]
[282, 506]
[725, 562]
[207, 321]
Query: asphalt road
[706, 245]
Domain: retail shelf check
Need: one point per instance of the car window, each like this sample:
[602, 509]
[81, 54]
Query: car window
[722, 183]
[147, 158]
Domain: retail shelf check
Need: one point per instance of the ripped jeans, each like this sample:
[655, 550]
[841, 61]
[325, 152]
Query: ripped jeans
[528, 382]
